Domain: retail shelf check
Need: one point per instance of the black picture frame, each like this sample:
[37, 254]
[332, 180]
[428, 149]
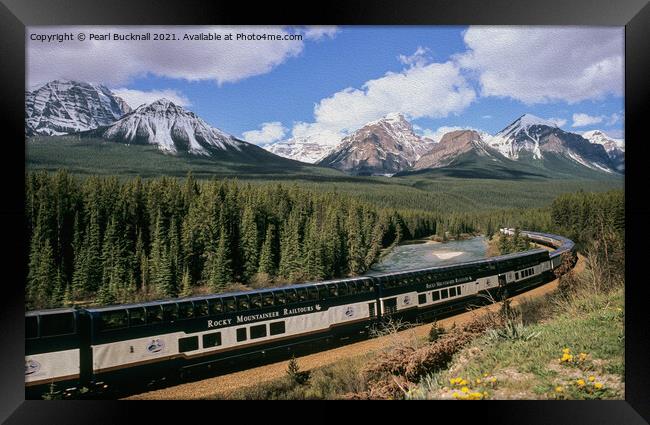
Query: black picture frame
[15, 15]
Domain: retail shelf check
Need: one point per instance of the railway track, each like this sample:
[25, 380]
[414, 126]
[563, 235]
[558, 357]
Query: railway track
[225, 384]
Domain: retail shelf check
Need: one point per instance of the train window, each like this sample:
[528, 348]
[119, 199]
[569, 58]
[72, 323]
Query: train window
[200, 308]
[154, 314]
[212, 340]
[343, 289]
[241, 334]
[186, 310]
[291, 295]
[458, 290]
[243, 303]
[136, 316]
[170, 312]
[333, 291]
[230, 305]
[322, 292]
[258, 331]
[31, 327]
[280, 298]
[113, 319]
[352, 287]
[277, 328]
[313, 293]
[435, 295]
[422, 298]
[256, 301]
[452, 292]
[215, 306]
[517, 275]
[267, 299]
[188, 344]
[302, 294]
[444, 294]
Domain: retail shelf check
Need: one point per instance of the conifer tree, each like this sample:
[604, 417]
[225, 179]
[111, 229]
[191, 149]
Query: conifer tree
[267, 263]
[248, 245]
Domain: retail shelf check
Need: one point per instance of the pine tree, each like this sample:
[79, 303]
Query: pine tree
[249, 241]
[267, 258]
[219, 263]
[186, 284]
[355, 250]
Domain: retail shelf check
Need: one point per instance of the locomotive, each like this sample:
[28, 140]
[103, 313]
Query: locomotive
[98, 347]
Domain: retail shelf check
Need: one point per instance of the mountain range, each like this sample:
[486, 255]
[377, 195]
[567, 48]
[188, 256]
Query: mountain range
[386, 146]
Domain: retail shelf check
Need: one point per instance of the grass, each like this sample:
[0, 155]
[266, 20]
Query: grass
[588, 326]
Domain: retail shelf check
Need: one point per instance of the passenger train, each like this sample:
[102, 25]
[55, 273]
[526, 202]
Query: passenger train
[99, 347]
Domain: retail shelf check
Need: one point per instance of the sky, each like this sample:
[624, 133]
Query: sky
[335, 79]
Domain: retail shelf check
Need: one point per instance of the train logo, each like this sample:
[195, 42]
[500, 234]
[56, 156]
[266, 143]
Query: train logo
[407, 300]
[318, 307]
[155, 346]
[31, 367]
[349, 311]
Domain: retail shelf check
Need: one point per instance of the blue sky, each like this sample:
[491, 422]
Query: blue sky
[338, 78]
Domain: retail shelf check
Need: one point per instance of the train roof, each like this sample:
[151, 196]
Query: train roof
[227, 294]
[51, 311]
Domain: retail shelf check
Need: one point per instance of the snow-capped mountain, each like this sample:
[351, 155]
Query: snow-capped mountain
[454, 145]
[303, 149]
[63, 106]
[386, 146]
[170, 128]
[615, 148]
[536, 139]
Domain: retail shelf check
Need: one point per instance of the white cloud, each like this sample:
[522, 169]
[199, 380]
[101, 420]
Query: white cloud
[613, 119]
[560, 122]
[441, 131]
[582, 120]
[136, 98]
[116, 62]
[487, 117]
[543, 64]
[419, 58]
[269, 132]
[434, 91]
[320, 32]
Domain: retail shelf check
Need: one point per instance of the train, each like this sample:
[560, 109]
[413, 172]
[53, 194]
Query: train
[94, 348]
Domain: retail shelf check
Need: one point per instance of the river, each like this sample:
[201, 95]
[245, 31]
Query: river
[420, 254]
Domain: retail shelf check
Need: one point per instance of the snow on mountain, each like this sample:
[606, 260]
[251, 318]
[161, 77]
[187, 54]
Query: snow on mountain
[63, 106]
[171, 128]
[615, 148]
[601, 138]
[385, 146]
[303, 149]
[535, 138]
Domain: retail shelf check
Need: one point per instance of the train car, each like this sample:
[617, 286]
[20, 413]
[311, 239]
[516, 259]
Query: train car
[52, 350]
[137, 340]
[114, 344]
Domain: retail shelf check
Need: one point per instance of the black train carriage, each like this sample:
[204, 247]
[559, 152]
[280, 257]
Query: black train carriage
[140, 340]
[426, 293]
[52, 346]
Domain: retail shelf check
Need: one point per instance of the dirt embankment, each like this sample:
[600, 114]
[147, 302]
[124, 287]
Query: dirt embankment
[222, 386]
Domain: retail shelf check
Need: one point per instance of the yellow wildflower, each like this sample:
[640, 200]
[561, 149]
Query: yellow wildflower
[478, 380]
[476, 396]
[566, 350]
[598, 385]
[580, 382]
[591, 379]
[493, 380]
[465, 389]
[559, 389]
[485, 375]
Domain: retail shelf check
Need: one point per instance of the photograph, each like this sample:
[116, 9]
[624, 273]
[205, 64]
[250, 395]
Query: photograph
[329, 212]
